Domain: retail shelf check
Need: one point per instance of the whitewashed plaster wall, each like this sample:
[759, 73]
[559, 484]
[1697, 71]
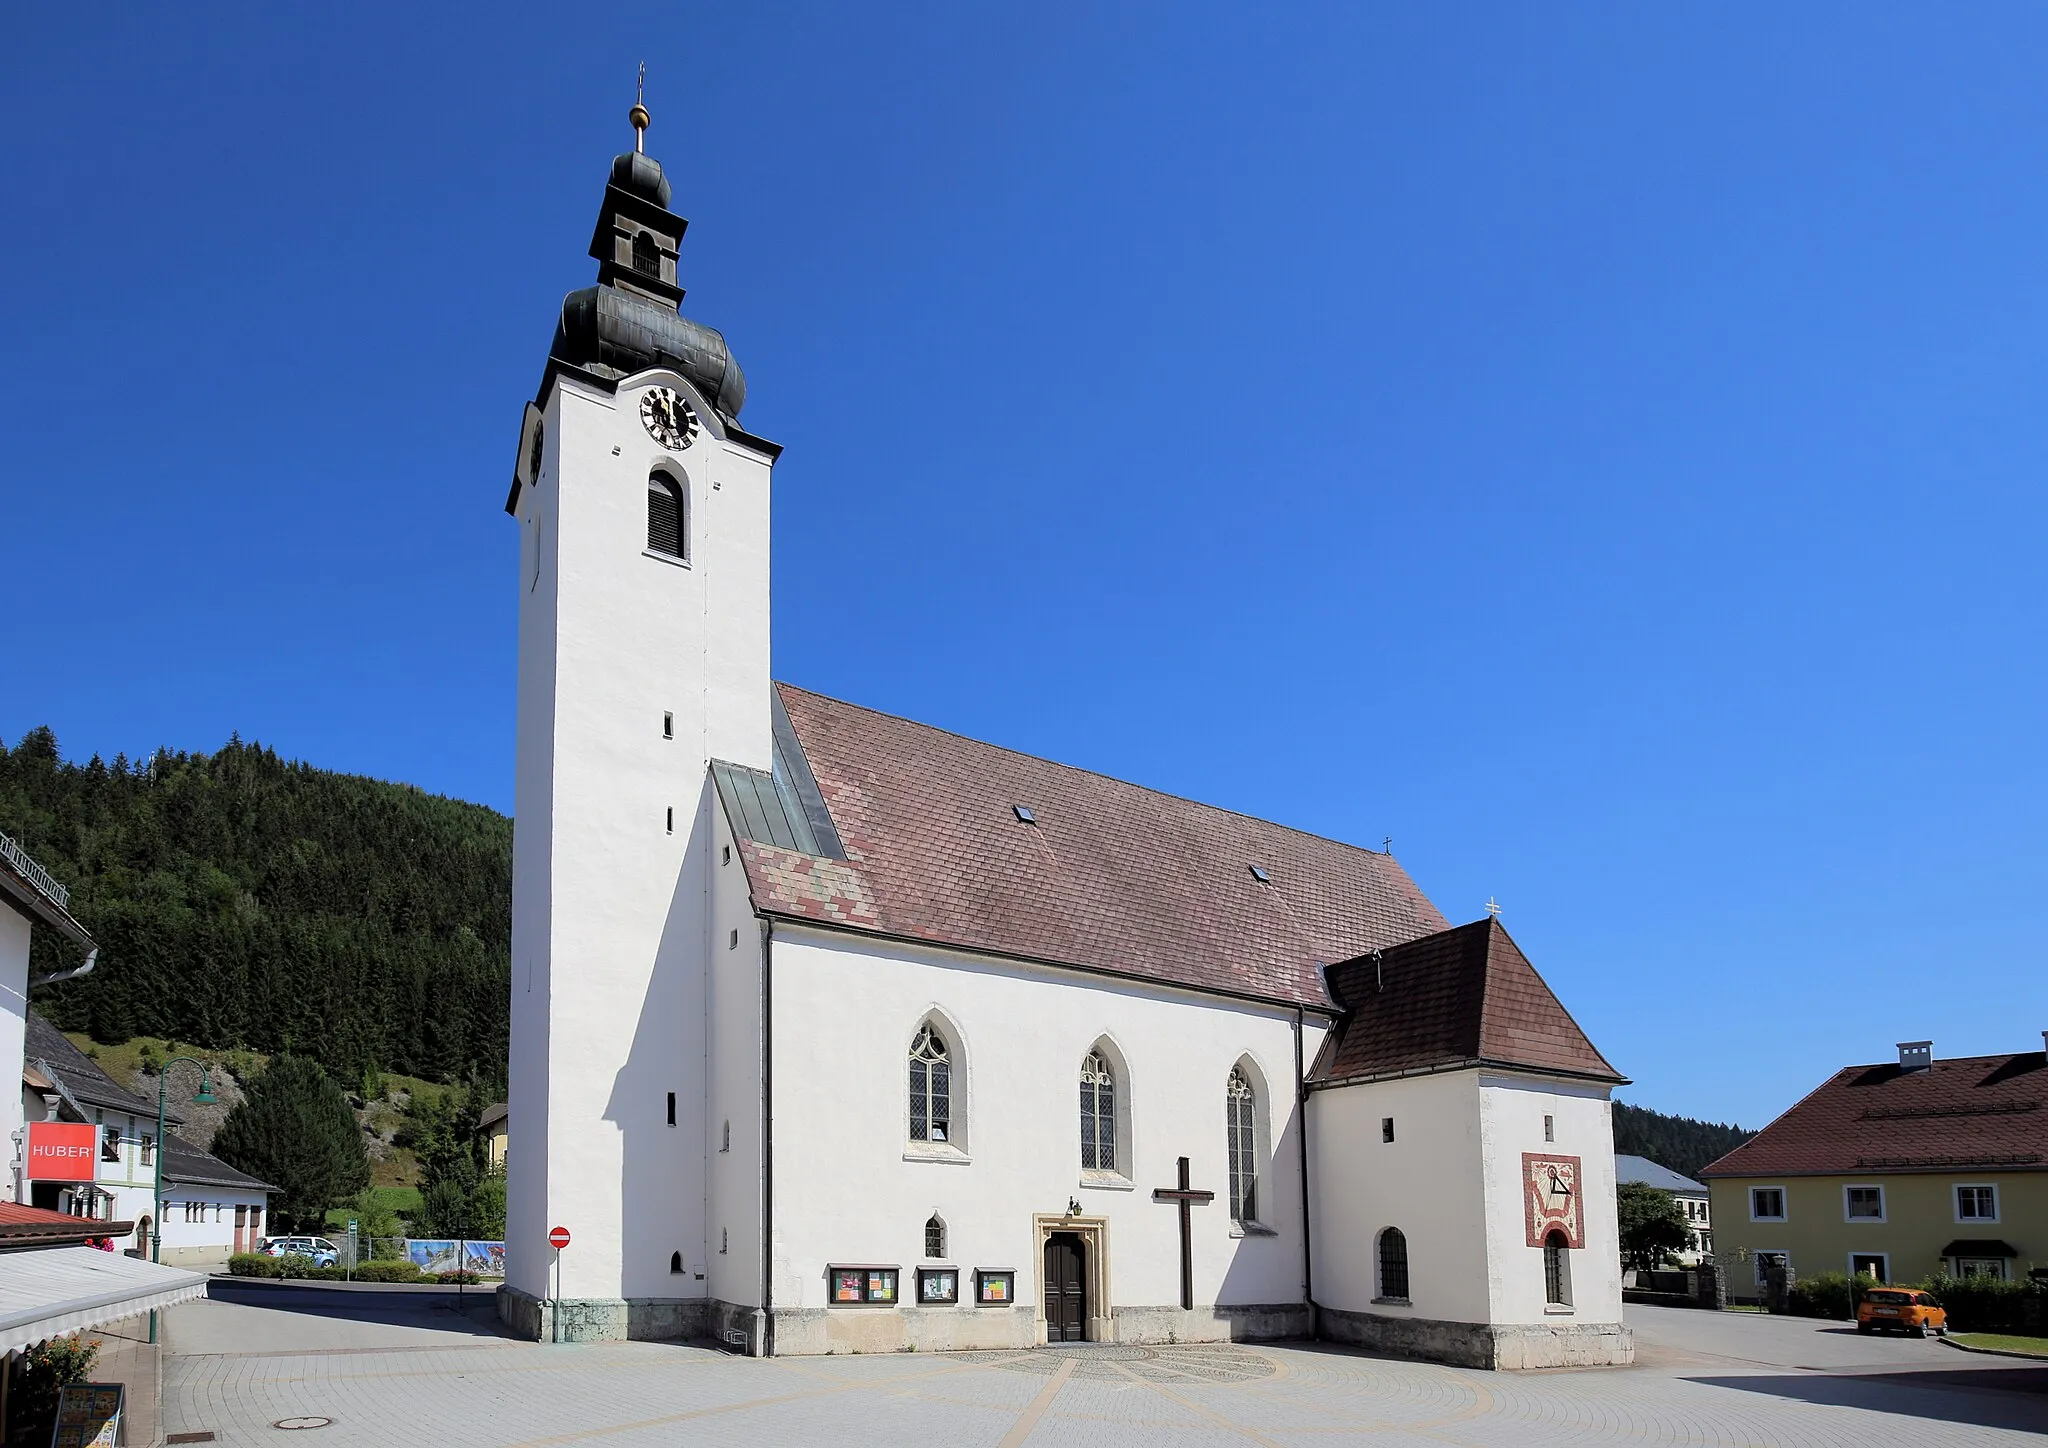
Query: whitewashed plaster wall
[846, 1188]
[14, 934]
[533, 758]
[1427, 1182]
[211, 1239]
[1511, 1111]
[610, 916]
[733, 1183]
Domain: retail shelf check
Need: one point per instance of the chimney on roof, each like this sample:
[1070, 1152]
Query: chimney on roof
[1916, 1055]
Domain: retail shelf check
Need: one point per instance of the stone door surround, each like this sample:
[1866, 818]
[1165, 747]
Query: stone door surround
[1094, 1234]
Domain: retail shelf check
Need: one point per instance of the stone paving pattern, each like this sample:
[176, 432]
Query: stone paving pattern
[422, 1372]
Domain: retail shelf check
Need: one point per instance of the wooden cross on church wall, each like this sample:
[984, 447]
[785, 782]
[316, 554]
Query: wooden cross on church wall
[1185, 1196]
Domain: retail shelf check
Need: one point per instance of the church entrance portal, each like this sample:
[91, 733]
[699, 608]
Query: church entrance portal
[1066, 1288]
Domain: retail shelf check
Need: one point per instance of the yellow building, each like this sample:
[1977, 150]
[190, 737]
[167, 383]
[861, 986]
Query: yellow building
[1896, 1171]
[494, 1126]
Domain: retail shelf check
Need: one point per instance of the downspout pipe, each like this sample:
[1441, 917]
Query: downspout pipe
[92, 958]
[768, 1141]
[1308, 1278]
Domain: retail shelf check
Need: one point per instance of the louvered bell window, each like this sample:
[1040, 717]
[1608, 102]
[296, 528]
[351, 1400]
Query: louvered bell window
[646, 256]
[1098, 1115]
[931, 1087]
[664, 517]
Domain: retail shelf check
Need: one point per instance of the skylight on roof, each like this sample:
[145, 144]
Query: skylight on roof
[1261, 876]
[1024, 814]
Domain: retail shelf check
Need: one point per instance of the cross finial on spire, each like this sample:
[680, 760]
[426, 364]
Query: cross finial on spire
[638, 115]
[1492, 908]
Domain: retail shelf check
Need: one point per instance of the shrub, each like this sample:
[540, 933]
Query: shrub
[255, 1264]
[465, 1278]
[38, 1376]
[293, 1264]
[1979, 1304]
[387, 1272]
[1824, 1294]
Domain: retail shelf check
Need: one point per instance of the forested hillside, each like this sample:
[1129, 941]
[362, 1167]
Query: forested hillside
[1677, 1142]
[242, 900]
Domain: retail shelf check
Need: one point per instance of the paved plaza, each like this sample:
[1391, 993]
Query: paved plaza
[388, 1368]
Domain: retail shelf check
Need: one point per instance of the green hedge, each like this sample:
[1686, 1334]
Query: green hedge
[1977, 1304]
[259, 1264]
[1824, 1294]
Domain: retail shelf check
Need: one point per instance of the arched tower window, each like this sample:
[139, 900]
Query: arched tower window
[1241, 1147]
[931, 1087]
[1098, 1114]
[1557, 1270]
[1394, 1264]
[666, 516]
[935, 1238]
[646, 255]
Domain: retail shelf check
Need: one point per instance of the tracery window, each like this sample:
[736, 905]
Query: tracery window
[665, 516]
[1240, 1145]
[1394, 1263]
[931, 1087]
[1098, 1114]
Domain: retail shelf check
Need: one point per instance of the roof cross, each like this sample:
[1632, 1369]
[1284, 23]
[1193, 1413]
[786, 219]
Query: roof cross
[1492, 908]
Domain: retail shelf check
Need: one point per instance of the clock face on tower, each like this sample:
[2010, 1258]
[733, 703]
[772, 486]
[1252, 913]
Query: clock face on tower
[668, 418]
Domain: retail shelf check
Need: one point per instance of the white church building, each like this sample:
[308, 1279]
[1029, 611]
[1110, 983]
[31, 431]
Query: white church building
[835, 1032]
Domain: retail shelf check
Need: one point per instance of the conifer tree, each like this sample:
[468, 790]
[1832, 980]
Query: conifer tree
[294, 1130]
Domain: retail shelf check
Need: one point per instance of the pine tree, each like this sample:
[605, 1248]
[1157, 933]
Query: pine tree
[294, 1130]
[244, 901]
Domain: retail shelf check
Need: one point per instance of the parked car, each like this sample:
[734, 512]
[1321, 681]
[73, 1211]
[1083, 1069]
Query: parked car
[1884, 1309]
[323, 1252]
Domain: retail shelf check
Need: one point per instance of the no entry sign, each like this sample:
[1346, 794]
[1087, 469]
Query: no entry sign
[558, 1238]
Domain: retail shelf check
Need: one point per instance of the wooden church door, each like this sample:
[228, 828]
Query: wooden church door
[1066, 1288]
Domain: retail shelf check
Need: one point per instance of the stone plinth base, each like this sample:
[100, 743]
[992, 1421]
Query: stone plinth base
[1563, 1344]
[660, 1319]
[815, 1331]
[1264, 1323]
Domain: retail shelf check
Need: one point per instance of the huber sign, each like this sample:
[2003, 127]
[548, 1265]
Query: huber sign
[62, 1151]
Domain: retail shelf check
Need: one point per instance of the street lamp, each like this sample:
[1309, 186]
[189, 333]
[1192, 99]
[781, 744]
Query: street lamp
[156, 1220]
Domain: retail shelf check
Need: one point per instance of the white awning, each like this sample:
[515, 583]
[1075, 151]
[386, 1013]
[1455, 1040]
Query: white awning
[62, 1289]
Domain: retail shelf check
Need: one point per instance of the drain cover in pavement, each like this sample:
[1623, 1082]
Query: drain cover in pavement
[291, 1423]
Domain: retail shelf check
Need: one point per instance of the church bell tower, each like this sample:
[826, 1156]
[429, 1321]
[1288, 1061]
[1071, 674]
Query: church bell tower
[643, 654]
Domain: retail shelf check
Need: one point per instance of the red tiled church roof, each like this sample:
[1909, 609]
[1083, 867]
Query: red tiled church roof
[1110, 877]
[1967, 1113]
[1461, 997]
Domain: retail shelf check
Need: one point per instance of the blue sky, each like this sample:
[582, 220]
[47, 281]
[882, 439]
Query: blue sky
[1600, 447]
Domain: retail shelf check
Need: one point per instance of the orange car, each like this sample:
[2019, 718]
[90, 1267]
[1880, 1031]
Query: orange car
[1885, 1308]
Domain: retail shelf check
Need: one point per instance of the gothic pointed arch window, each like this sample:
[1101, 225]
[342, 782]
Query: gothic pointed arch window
[935, 1237]
[1241, 1146]
[1098, 1113]
[931, 1086]
[667, 516]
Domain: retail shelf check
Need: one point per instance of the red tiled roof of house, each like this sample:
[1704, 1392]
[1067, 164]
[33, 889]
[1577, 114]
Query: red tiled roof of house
[1970, 1112]
[1462, 997]
[22, 1226]
[1110, 877]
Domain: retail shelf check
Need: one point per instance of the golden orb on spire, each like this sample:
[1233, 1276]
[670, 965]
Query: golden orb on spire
[638, 115]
